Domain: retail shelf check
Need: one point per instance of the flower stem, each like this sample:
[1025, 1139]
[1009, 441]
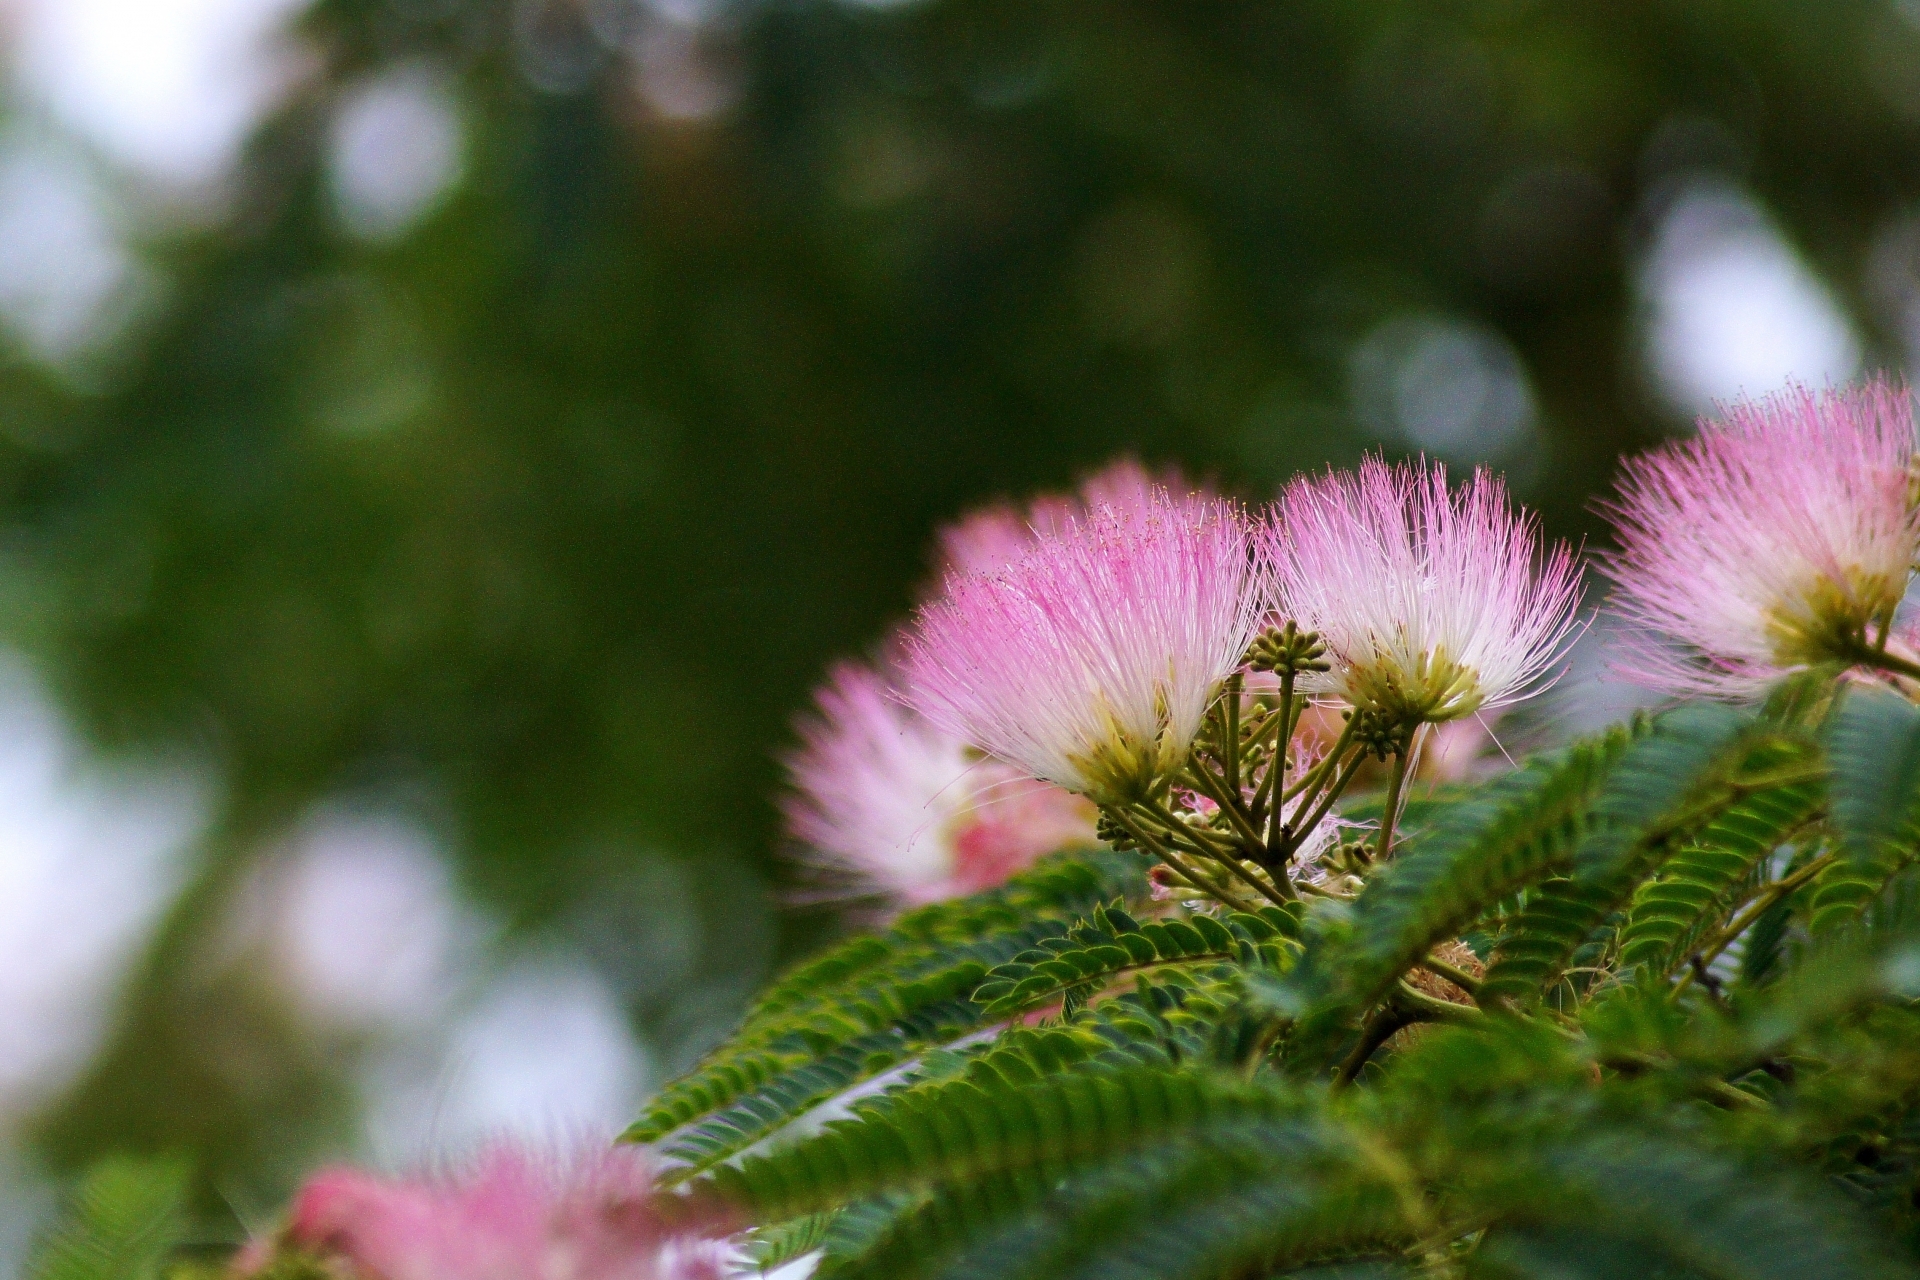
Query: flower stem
[1458, 977]
[1742, 922]
[1225, 857]
[1230, 746]
[1327, 761]
[1324, 801]
[1275, 783]
[1396, 776]
[1230, 804]
[1891, 663]
[1194, 877]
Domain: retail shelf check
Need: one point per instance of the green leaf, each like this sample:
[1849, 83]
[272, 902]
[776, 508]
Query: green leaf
[1098, 951]
[1703, 1210]
[1873, 744]
[1667, 786]
[872, 1004]
[1844, 891]
[1571, 1253]
[1656, 778]
[774, 1246]
[1702, 884]
[121, 1222]
[1246, 1196]
[1473, 853]
[960, 1129]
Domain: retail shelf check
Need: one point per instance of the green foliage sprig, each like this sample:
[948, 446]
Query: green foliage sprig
[1688, 1047]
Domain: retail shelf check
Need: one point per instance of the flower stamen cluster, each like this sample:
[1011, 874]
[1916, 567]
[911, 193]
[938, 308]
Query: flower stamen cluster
[1779, 537]
[1091, 660]
[1433, 604]
[1157, 653]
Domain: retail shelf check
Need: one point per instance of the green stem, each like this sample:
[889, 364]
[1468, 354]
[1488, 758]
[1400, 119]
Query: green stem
[1884, 661]
[1230, 748]
[1278, 897]
[1210, 883]
[1193, 876]
[1395, 777]
[1230, 804]
[1319, 771]
[1275, 783]
[1326, 802]
[1202, 842]
[1766, 898]
[1205, 841]
[1785, 776]
[1379, 1029]
[1434, 1008]
[1222, 856]
[1458, 977]
[1226, 858]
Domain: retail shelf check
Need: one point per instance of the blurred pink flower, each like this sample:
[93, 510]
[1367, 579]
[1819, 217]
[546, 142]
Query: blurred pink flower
[1091, 660]
[1778, 537]
[511, 1217]
[1432, 604]
[881, 795]
[995, 536]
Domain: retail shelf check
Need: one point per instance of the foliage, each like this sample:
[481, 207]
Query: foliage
[123, 1220]
[1694, 1050]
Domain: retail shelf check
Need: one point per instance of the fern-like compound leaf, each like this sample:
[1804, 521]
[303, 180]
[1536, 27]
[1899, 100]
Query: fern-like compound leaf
[1667, 787]
[959, 1129]
[121, 1223]
[873, 1004]
[1113, 943]
[1471, 854]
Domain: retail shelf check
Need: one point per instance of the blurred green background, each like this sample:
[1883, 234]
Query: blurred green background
[441, 443]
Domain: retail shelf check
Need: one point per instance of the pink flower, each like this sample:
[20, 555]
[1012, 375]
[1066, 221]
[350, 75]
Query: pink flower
[1777, 538]
[1432, 604]
[904, 809]
[995, 536]
[511, 1217]
[1091, 660]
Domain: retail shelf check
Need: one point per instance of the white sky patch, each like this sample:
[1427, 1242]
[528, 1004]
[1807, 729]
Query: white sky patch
[544, 1053]
[396, 151]
[168, 88]
[89, 857]
[1731, 308]
[1452, 388]
[68, 281]
[363, 925]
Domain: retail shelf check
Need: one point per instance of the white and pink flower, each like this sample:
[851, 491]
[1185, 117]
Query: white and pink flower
[1433, 603]
[890, 804]
[1780, 536]
[1090, 661]
[995, 536]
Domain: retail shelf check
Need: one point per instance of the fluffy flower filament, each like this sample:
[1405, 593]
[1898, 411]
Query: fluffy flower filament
[1781, 536]
[1120, 653]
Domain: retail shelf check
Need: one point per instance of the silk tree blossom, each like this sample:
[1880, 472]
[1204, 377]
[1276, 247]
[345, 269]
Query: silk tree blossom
[1091, 660]
[997, 535]
[1780, 536]
[1433, 604]
[512, 1216]
[906, 810]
